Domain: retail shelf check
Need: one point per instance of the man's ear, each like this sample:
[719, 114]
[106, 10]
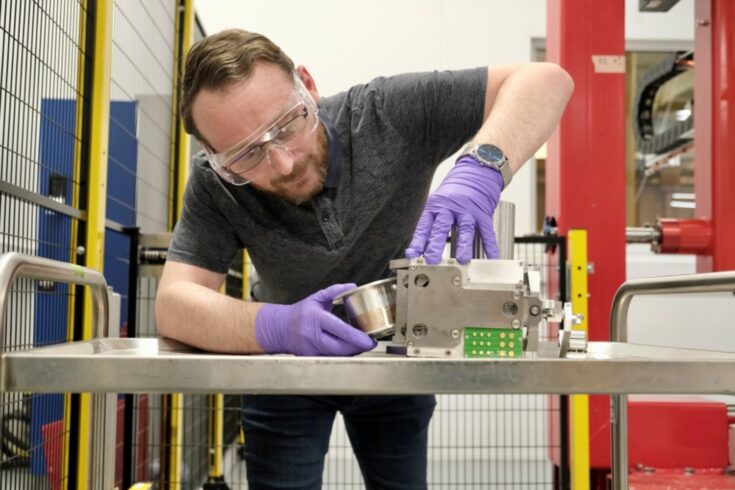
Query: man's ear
[309, 83]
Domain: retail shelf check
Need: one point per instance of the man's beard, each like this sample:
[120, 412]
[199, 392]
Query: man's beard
[314, 161]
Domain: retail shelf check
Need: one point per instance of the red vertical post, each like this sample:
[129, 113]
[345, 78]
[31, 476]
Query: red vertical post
[585, 168]
[714, 120]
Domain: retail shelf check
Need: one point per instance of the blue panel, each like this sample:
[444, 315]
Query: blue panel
[122, 164]
[121, 190]
[56, 157]
[54, 231]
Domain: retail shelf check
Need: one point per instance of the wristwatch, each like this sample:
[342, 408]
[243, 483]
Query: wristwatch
[490, 156]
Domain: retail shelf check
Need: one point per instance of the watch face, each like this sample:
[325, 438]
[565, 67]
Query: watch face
[490, 153]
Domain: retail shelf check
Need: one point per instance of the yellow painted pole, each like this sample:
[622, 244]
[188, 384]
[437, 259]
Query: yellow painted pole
[216, 436]
[99, 129]
[179, 168]
[176, 441]
[180, 139]
[142, 486]
[74, 232]
[579, 404]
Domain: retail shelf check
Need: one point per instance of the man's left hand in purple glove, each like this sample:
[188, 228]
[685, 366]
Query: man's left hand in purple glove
[467, 197]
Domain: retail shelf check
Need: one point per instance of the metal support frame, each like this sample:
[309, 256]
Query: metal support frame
[100, 433]
[177, 183]
[579, 432]
[700, 283]
[99, 44]
[714, 114]
[585, 171]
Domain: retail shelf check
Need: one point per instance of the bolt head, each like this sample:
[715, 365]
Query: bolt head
[516, 295]
[456, 280]
[455, 333]
[516, 323]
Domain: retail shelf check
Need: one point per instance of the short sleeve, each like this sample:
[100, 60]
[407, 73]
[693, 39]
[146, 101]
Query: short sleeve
[203, 236]
[437, 110]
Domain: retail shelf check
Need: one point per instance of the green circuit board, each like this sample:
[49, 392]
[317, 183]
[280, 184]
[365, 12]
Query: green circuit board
[486, 342]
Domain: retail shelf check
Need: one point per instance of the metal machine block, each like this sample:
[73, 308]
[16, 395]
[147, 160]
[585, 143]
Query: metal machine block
[441, 301]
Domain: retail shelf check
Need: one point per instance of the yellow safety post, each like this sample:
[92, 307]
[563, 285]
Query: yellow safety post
[176, 440]
[245, 275]
[216, 437]
[179, 138]
[579, 404]
[74, 228]
[177, 181]
[100, 12]
[142, 486]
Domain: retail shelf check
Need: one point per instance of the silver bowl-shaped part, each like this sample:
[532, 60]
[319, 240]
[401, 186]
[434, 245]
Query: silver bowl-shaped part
[371, 307]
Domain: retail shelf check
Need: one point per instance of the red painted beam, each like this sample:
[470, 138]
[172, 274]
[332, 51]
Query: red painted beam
[714, 121]
[585, 167]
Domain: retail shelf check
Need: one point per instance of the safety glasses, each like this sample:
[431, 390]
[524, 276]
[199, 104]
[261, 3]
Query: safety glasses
[240, 163]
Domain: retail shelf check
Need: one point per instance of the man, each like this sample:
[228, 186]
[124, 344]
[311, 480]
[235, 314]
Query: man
[323, 193]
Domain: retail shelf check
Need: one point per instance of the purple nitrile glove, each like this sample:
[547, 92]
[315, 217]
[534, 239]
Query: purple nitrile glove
[307, 328]
[468, 197]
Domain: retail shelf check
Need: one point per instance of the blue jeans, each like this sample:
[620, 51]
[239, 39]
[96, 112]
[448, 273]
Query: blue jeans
[287, 438]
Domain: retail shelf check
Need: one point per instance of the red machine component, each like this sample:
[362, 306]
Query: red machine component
[671, 434]
[684, 236]
[681, 479]
[585, 170]
[714, 119]
[585, 181]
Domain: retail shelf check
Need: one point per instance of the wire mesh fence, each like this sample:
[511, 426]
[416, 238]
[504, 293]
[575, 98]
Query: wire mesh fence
[40, 144]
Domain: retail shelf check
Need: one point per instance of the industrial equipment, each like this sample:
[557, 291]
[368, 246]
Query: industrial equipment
[484, 309]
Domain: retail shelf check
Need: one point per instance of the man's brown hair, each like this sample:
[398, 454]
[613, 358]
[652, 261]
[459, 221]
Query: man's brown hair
[222, 59]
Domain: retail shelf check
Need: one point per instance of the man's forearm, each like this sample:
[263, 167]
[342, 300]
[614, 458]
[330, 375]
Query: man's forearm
[201, 317]
[526, 109]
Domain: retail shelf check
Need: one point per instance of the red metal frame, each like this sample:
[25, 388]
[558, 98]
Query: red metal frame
[585, 170]
[585, 173]
[714, 120]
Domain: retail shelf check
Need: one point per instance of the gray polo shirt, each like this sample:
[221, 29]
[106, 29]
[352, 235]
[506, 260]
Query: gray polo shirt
[385, 140]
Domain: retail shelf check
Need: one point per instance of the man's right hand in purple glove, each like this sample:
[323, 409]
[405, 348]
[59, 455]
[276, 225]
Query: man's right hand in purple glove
[307, 328]
[467, 197]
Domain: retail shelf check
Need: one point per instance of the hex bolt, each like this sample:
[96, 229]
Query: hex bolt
[455, 333]
[413, 267]
[535, 310]
[516, 323]
[516, 295]
[519, 286]
[456, 280]
[410, 344]
[81, 250]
